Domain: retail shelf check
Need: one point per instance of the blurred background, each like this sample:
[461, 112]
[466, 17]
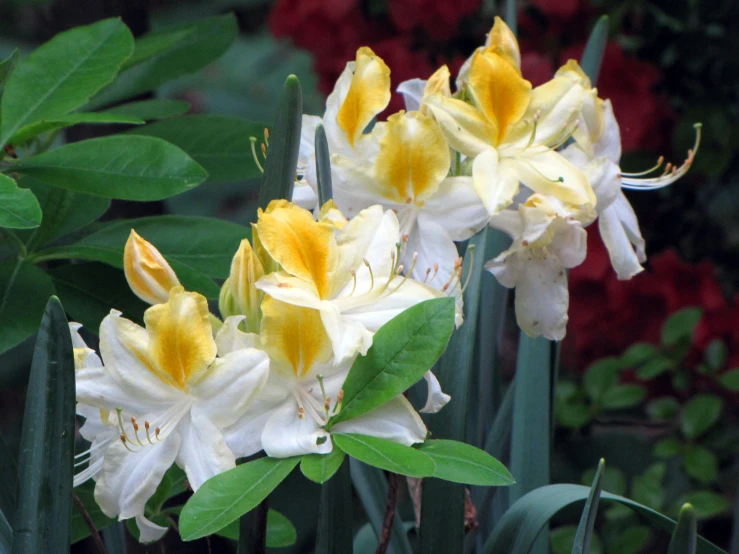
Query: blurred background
[639, 355]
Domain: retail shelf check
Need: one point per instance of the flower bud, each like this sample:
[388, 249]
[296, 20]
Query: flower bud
[147, 272]
[239, 295]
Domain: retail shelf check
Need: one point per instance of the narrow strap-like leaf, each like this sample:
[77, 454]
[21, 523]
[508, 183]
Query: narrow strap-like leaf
[114, 537]
[6, 535]
[685, 537]
[284, 145]
[8, 481]
[592, 56]
[587, 519]
[323, 167]
[511, 17]
[45, 464]
[443, 503]
[334, 534]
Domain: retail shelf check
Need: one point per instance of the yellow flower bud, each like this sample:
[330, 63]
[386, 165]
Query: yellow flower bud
[269, 265]
[147, 272]
[330, 213]
[239, 295]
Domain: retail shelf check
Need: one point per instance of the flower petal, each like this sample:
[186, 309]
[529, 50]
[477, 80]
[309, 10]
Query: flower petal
[148, 530]
[495, 181]
[230, 338]
[465, 128]
[436, 398]
[542, 297]
[457, 208]
[433, 246]
[204, 452]
[395, 420]
[412, 91]
[286, 434]
[620, 230]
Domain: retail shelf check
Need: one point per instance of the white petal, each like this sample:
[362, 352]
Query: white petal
[304, 195]
[347, 337]
[570, 244]
[128, 479]
[506, 267]
[204, 452]
[494, 180]
[604, 176]
[412, 91]
[288, 435]
[508, 221]
[148, 530]
[457, 208]
[432, 244]
[618, 242]
[436, 398]
[395, 420]
[610, 143]
[230, 338]
[281, 286]
[542, 297]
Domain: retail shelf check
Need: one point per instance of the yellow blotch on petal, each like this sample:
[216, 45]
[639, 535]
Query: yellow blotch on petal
[369, 94]
[181, 345]
[413, 159]
[502, 41]
[302, 246]
[498, 90]
[239, 295]
[330, 213]
[294, 337]
[147, 272]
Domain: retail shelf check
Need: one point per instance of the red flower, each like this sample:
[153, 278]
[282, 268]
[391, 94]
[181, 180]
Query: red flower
[561, 9]
[439, 18]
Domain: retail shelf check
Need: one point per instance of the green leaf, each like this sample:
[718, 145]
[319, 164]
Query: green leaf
[700, 414]
[225, 497]
[7, 66]
[284, 146]
[334, 531]
[600, 377]
[402, 351]
[8, 481]
[623, 396]
[32, 130]
[281, 532]
[19, 208]
[613, 479]
[321, 467]
[663, 409]
[80, 530]
[562, 538]
[685, 538]
[62, 74]
[730, 380]
[164, 58]
[570, 408]
[680, 326]
[587, 519]
[159, 108]
[700, 463]
[6, 534]
[463, 463]
[654, 368]
[638, 354]
[90, 290]
[24, 290]
[667, 448]
[220, 144]
[647, 488]
[521, 524]
[592, 56]
[323, 166]
[716, 354]
[385, 454]
[45, 464]
[124, 166]
[631, 540]
[511, 15]
[173, 483]
[707, 504]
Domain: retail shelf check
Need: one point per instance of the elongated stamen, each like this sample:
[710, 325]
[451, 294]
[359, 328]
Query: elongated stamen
[559, 179]
[565, 135]
[652, 169]
[354, 276]
[253, 141]
[339, 401]
[537, 115]
[136, 430]
[89, 472]
[125, 443]
[266, 136]
[146, 427]
[428, 272]
[471, 250]
[372, 275]
[121, 426]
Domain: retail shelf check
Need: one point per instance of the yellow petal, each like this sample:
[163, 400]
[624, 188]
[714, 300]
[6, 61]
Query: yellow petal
[438, 83]
[303, 247]
[330, 213]
[241, 296]
[465, 127]
[498, 90]
[502, 41]
[368, 94]
[181, 345]
[574, 73]
[147, 272]
[294, 337]
[413, 158]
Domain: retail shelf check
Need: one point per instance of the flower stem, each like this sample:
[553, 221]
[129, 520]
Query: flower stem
[387, 524]
[99, 544]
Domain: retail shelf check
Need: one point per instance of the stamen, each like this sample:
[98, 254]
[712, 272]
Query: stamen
[428, 272]
[146, 427]
[136, 430]
[354, 276]
[264, 151]
[565, 136]
[339, 401]
[559, 179]
[120, 424]
[125, 443]
[253, 141]
[156, 433]
[372, 275]
[471, 250]
[266, 136]
[436, 271]
[660, 161]
[301, 412]
[537, 115]
[319, 378]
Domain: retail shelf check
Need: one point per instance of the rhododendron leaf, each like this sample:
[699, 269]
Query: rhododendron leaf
[665, 408]
[386, 454]
[19, 208]
[638, 354]
[321, 467]
[600, 377]
[700, 463]
[463, 463]
[730, 380]
[280, 530]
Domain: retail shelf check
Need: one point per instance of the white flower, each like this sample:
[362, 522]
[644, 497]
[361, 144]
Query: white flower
[166, 396]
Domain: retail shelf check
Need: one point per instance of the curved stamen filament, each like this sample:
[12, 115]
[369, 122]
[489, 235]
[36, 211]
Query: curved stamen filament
[652, 169]
[372, 275]
[559, 179]
[536, 117]
[565, 135]
[471, 250]
[253, 141]
[354, 276]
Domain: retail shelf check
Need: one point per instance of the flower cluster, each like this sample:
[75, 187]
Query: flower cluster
[539, 163]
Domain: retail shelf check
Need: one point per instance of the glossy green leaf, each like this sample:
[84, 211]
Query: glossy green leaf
[7, 66]
[220, 144]
[90, 290]
[321, 467]
[385, 454]
[685, 537]
[62, 74]
[519, 527]
[225, 497]
[592, 56]
[45, 462]
[158, 108]
[664, 409]
[584, 533]
[127, 167]
[623, 396]
[707, 505]
[700, 463]
[600, 377]
[402, 351]
[284, 146]
[463, 463]
[164, 58]
[24, 290]
[730, 380]
[19, 208]
[334, 531]
[323, 167]
[32, 130]
[280, 530]
[647, 488]
[80, 530]
[700, 414]
[654, 368]
[680, 326]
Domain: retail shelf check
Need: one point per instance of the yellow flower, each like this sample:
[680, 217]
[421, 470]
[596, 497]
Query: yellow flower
[147, 272]
[239, 295]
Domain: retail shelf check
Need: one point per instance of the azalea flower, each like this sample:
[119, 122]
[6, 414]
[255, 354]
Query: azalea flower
[350, 275]
[304, 390]
[361, 92]
[239, 295]
[147, 272]
[548, 238]
[512, 132]
[410, 176]
[167, 396]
